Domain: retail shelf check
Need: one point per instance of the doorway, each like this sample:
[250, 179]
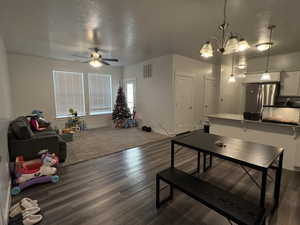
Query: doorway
[184, 103]
[210, 96]
[130, 91]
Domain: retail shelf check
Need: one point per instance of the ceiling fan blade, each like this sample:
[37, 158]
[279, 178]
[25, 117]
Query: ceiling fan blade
[105, 63]
[112, 60]
[85, 61]
[81, 56]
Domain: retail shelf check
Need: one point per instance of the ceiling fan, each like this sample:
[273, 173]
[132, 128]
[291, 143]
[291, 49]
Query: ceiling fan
[96, 60]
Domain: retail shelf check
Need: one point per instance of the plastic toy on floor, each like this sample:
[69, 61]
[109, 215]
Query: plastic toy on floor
[28, 173]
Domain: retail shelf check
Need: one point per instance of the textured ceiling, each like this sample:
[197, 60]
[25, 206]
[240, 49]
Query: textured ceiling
[136, 30]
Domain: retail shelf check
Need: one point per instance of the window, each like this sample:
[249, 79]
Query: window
[69, 93]
[130, 94]
[100, 93]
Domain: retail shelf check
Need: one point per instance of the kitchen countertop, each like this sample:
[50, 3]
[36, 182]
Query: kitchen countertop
[240, 117]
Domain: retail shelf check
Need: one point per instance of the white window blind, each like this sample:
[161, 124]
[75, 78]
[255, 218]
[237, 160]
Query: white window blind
[69, 93]
[100, 93]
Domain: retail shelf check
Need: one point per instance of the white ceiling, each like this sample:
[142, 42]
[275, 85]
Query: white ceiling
[136, 30]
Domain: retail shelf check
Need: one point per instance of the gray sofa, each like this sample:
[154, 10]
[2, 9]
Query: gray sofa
[23, 141]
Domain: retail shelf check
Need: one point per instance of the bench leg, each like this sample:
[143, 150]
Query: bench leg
[171, 191]
[157, 191]
[198, 163]
[170, 197]
[204, 162]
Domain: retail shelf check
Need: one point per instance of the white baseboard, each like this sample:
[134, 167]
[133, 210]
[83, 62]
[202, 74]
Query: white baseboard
[7, 206]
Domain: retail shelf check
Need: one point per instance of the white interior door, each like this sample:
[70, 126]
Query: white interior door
[211, 96]
[184, 114]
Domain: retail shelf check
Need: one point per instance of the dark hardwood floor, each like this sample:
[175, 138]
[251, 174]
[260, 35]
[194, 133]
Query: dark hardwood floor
[119, 189]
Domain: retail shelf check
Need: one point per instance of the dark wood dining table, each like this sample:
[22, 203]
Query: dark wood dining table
[248, 154]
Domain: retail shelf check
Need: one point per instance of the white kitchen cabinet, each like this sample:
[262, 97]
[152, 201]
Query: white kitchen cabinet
[290, 82]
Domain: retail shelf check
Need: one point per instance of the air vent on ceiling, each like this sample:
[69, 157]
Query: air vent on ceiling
[147, 71]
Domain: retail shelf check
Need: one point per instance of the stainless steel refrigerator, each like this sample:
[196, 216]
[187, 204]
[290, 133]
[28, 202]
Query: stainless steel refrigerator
[260, 94]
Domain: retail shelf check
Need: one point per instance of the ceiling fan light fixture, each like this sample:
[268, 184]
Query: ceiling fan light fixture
[206, 50]
[243, 45]
[95, 63]
[264, 46]
[95, 55]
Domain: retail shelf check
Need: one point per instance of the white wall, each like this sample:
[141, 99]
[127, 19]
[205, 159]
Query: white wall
[156, 96]
[32, 86]
[231, 94]
[199, 71]
[290, 61]
[5, 116]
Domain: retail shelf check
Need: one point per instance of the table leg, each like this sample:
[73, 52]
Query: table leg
[204, 162]
[157, 191]
[171, 191]
[263, 188]
[172, 154]
[198, 162]
[210, 160]
[278, 181]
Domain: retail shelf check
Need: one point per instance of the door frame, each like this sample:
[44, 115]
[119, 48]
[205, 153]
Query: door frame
[134, 80]
[191, 76]
[206, 78]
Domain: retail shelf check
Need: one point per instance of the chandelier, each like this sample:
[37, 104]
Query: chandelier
[230, 42]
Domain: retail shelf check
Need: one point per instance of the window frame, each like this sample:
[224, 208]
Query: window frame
[90, 113]
[133, 81]
[55, 97]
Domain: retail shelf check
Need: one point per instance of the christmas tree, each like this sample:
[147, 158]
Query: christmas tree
[121, 111]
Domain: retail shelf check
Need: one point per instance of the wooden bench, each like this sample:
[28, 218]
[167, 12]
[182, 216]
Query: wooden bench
[231, 206]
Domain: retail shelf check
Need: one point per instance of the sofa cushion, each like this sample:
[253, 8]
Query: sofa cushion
[21, 130]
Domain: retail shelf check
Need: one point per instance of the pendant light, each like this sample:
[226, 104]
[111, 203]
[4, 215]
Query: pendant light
[266, 75]
[230, 42]
[232, 77]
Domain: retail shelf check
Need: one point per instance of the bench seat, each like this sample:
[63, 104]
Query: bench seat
[231, 206]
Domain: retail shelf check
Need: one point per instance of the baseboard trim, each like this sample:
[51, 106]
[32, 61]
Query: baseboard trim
[8, 204]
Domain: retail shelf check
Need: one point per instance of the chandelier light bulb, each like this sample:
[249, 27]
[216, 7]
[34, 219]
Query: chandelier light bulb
[265, 76]
[231, 45]
[243, 45]
[231, 79]
[206, 50]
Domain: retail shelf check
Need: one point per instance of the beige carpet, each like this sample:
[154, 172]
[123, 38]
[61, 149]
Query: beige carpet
[94, 143]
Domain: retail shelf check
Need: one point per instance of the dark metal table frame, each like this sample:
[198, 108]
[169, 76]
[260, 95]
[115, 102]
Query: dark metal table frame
[263, 170]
